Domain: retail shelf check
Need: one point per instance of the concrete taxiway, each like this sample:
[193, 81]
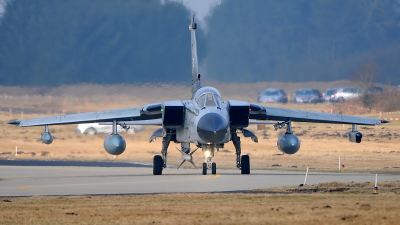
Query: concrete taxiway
[16, 180]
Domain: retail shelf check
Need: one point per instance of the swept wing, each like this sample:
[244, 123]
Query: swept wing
[283, 114]
[152, 111]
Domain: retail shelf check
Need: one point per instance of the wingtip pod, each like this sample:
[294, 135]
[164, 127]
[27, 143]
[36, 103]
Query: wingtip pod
[384, 121]
[14, 122]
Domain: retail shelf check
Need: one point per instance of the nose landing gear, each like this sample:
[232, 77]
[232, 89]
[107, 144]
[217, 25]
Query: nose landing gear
[208, 151]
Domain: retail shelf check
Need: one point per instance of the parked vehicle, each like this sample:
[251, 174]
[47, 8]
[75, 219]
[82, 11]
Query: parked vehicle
[272, 95]
[308, 96]
[95, 128]
[342, 94]
[328, 93]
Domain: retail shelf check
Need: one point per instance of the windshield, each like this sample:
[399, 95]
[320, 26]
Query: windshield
[208, 97]
[330, 92]
[304, 92]
[271, 93]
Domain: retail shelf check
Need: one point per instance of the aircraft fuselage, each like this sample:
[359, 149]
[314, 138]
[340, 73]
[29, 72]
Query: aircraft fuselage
[205, 125]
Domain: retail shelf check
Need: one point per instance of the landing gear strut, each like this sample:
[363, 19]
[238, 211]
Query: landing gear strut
[160, 162]
[243, 163]
[165, 144]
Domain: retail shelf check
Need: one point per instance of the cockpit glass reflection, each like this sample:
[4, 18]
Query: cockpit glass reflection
[210, 100]
[201, 100]
[218, 101]
[208, 97]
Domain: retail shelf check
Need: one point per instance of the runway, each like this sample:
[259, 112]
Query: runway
[138, 179]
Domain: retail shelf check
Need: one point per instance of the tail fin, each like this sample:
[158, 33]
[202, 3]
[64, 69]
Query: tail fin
[196, 84]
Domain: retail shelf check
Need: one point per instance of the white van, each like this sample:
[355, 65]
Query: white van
[95, 128]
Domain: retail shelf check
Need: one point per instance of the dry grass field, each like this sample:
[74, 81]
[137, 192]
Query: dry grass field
[322, 144]
[328, 203]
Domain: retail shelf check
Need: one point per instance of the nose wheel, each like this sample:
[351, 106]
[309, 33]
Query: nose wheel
[209, 166]
[213, 168]
[204, 172]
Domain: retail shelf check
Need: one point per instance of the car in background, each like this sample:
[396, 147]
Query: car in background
[272, 95]
[346, 93]
[96, 128]
[308, 96]
[328, 93]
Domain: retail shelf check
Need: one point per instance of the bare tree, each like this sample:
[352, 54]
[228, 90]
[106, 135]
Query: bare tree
[365, 77]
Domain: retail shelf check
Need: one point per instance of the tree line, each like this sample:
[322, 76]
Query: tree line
[52, 43]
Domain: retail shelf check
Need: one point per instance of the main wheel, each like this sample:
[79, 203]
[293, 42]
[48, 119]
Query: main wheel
[158, 163]
[214, 168]
[204, 168]
[245, 169]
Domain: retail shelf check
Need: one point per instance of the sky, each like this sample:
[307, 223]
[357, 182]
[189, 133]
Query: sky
[1, 7]
[201, 9]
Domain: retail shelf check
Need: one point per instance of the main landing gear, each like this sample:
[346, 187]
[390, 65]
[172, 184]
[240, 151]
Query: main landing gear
[160, 162]
[242, 162]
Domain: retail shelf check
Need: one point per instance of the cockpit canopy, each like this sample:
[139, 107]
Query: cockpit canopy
[208, 97]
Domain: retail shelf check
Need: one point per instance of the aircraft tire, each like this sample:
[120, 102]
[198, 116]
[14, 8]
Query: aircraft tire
[204, 172]
[157, 165]
[214, 168]
[245, 169]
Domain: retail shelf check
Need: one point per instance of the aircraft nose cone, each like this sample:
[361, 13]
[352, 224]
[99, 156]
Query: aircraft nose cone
[212, 127]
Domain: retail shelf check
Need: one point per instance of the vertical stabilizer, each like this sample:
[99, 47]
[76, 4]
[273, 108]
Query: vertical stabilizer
[196, 84]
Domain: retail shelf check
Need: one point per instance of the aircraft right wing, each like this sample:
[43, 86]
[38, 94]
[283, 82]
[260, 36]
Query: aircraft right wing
[282, 114]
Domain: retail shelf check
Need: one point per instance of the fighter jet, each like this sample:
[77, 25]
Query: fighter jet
[205, 121]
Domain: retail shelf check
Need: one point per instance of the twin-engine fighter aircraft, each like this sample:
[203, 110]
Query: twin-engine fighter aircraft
[206, 121]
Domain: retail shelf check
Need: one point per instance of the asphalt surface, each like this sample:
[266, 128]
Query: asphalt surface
[109, 178]
[71, 163]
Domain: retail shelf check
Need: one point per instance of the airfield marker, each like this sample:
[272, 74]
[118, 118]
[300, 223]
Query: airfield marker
[305, 179]
[16, 151]
[115, 157]
[376, 184]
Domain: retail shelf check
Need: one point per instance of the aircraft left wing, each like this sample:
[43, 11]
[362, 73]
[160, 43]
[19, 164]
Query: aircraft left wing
[282, 114]
[147, 112]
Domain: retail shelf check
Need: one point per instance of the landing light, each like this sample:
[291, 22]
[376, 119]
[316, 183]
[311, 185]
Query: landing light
[207, 153]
